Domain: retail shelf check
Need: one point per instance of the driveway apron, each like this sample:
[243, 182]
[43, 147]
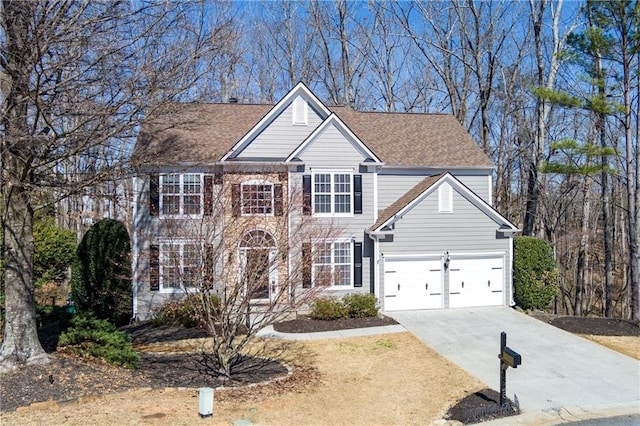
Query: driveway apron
[558, 370]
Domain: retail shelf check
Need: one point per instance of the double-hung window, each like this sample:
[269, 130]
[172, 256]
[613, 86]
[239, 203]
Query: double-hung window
[257, 198]
[332, 263]
[180, 266]
[332, 193]
[181, 194]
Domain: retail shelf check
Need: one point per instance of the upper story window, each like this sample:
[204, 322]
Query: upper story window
[181, 194]
[332, 193]
[180, 266]
[445, 198]
[257, 198]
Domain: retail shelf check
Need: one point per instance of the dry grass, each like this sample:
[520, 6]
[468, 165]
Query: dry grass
[628, 345]
[383, 380]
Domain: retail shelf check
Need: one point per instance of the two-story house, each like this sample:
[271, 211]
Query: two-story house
[407, 198]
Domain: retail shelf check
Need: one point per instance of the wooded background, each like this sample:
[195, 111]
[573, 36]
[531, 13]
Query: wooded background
[548, 89]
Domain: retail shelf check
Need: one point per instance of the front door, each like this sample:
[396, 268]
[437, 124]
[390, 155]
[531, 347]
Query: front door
[257, 273]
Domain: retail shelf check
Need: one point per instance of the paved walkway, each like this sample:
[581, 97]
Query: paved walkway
[559, 371]
[269, 332]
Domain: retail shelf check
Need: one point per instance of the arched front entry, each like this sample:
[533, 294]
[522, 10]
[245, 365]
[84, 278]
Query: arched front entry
[257, 253]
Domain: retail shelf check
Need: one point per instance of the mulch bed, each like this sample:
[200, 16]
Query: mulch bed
[68, 377]
[591, 325]
[304, 324]
[481, 406]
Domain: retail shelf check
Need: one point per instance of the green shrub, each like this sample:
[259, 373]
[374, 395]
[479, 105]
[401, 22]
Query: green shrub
[101, 273]
[54, 250]
[328, 308]
[361, 305]
[535, 278]
[187, 312]
[89, 336]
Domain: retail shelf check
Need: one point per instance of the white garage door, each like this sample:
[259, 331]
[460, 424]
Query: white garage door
[476, 282]
[412, 284]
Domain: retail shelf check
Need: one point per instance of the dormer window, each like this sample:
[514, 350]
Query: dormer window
[300, 114]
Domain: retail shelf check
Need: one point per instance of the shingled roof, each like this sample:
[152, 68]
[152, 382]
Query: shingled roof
[203, 133]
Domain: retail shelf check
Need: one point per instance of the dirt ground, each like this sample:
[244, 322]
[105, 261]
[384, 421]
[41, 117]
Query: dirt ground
[366, 380]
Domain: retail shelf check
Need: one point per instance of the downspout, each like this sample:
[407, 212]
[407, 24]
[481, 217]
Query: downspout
[136, 251]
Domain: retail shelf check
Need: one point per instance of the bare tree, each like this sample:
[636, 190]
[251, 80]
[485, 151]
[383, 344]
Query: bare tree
[77, 77]
[251, 264]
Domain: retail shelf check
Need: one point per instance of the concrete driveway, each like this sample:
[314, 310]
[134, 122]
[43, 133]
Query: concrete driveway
[559, 370]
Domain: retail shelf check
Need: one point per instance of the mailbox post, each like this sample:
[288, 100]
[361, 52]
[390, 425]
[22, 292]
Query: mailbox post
[508, 358]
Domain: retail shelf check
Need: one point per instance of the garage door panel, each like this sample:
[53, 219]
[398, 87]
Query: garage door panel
[476, 282]
[413, 284]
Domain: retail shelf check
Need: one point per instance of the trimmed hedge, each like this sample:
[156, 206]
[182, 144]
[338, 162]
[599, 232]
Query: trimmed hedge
[355, 305]
[535, 277]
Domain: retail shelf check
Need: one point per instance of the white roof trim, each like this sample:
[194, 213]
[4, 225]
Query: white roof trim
[299, 89]
[505, 225]
[334, 120]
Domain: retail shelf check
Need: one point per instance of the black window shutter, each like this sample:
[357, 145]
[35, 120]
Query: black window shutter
[208, 195]
[154, 194]
[235, 200]
[357, 194]
[306, 195]
[154, 268]
[217, 178]
[357, 264]
[208, 266]
[306, 265]
[278, 202]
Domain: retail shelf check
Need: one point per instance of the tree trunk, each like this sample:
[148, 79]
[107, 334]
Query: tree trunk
[583, 251]
[20, 344]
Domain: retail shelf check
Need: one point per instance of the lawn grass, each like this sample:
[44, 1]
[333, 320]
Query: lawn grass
[386, 379]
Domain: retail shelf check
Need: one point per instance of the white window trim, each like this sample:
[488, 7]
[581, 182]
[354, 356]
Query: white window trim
[163, 261]
[181, 195]
[445, 198]
[314, 244]
[332, 193]
[257, 182]
[299, 105]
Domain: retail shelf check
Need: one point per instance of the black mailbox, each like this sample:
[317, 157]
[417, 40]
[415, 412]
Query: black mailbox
[511, 357]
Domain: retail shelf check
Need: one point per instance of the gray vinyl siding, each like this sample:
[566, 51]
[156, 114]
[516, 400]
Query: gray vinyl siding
[148, 230]
[282, 137]
[332, 150]
[349, 227]
[423, 229]
[466, 230]
[393, 186]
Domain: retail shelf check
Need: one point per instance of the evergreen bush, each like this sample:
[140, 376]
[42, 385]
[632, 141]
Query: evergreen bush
[89, 336]
[328, 308]
[535, 277]
[101, 273]
[54, 250]
[361, 305]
